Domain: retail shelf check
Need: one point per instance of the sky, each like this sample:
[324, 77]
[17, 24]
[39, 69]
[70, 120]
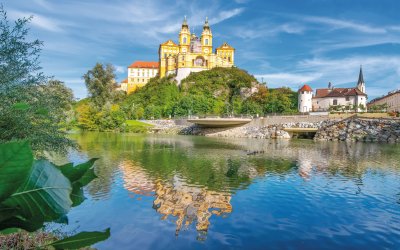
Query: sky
[284, 43]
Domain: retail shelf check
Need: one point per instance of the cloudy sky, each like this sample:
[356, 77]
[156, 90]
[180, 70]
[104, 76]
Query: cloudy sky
[285, 42]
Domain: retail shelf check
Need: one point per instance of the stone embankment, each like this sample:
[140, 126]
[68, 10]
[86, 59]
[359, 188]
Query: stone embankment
[263, 132]
[350, 129]
[252, 130]
[360, 129]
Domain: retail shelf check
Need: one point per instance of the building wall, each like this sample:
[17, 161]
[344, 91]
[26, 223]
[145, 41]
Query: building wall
[182, 73]
[323, 104]
[138, 77]
[392, 101]
[305, 101]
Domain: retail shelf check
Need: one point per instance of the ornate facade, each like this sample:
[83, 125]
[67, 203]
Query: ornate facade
[192, 53]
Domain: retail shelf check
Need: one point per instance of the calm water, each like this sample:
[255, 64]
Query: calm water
[181, 192]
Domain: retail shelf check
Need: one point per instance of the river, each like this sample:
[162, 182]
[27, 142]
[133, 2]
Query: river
[186, 192]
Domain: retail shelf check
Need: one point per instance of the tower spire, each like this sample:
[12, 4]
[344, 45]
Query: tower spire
[206, 22]
[360, 76]
[184, 22]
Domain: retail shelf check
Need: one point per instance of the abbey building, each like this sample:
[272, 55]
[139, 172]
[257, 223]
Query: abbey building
[193, 53]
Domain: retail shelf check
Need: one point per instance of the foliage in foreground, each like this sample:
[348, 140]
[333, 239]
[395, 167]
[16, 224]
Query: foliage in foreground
[33, 192]
[32, 107]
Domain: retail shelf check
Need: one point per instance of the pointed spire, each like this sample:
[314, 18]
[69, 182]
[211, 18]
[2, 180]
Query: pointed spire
[360, 76]
[184, 22]
[206, 22]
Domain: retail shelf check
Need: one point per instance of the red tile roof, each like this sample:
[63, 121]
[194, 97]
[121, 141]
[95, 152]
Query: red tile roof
[125, 80]
[305, 88]
[140, 64]
[338, 92]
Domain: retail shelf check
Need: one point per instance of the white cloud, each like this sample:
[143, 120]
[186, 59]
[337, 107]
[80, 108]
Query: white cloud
[224, 15]
[344, 24]
[120, 69]
[261, 28]
[288, 79]
[38, 20]
[43, 4]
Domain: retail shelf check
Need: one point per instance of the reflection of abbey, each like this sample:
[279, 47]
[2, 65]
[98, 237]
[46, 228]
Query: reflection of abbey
[191, 54]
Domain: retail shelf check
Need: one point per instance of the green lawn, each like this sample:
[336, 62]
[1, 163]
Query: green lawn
[136, 126]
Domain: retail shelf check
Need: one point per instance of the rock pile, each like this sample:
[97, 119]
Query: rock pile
[360, 129]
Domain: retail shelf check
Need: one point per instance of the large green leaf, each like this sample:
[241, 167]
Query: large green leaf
[15, 164]
[45, 195]
[75, 173]
[30, 225]
[82, 239]
[79, 176]
[7, 212]
[77, 195]
[87, 177]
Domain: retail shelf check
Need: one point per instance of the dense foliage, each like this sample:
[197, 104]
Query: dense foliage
[219, 91]
[32, 106]
[33, 192]
[100, 111]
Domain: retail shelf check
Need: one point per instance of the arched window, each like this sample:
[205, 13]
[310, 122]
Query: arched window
[184, 40]
[206, 42]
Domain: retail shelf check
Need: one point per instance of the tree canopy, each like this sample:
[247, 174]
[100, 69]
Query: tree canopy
[33, 106]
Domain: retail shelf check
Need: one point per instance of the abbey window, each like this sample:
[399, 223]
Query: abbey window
[206, 41]
[184, 40]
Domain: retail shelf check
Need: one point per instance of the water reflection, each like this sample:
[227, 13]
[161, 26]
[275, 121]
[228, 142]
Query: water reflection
[192, 179]
[187, 203]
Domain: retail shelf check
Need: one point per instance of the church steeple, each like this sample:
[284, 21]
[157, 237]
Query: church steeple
[361, 83]
[360, 76]
[206, 38]
[184, 37]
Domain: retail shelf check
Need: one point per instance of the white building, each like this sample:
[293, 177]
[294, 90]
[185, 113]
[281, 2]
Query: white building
[305, 99]
[340, 98]
[139, 73]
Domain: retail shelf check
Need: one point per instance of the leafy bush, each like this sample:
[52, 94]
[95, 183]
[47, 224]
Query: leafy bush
[34, 192]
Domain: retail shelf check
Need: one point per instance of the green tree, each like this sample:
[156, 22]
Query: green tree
[100, 82]
[31, 106]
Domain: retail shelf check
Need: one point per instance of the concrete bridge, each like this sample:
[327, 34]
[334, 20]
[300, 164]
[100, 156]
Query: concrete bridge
[301, 132]
[220, 122]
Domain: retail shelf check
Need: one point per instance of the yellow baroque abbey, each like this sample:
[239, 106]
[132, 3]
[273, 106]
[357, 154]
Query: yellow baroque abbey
[193, 54]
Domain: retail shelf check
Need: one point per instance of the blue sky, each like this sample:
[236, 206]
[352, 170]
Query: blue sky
[285, 42]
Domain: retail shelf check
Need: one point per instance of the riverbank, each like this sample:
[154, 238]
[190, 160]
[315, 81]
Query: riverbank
[349, 129]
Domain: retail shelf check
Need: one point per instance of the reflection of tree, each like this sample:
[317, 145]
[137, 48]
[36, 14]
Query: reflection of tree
[110, 148]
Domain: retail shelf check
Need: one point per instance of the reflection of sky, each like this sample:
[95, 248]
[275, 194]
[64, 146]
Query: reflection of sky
[335, 194]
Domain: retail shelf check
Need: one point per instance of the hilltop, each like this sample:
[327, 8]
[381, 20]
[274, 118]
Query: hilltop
[219, 91]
